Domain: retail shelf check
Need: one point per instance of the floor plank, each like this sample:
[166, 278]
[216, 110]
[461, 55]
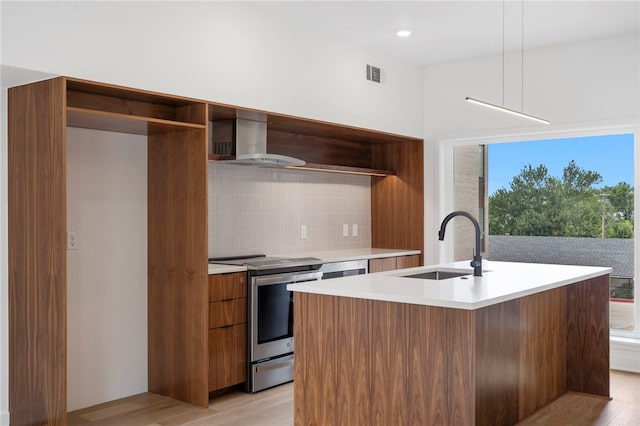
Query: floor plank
[274, 407]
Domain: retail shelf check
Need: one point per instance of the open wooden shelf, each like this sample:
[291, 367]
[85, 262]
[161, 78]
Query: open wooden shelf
[115, 122]
[331, 168]
[102, 106]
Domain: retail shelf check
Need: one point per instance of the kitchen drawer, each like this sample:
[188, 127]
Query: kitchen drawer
[227, 312]
[410, 261]
[383, 264]
[227, 356]
[227, 286]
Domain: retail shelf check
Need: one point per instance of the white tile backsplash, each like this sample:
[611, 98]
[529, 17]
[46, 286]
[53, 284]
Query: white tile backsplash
[260, 210]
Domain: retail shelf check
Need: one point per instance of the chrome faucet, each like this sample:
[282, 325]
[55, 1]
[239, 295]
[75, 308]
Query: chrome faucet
[476, 263]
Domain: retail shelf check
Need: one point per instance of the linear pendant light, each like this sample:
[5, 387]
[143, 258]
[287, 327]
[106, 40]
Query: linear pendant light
[502, 108]
[507, 110]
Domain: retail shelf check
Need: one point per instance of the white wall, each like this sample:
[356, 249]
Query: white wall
[576, 86]
[107, 274]
[227, 52]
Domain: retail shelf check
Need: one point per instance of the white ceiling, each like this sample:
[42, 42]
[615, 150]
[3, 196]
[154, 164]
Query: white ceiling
[445, 31]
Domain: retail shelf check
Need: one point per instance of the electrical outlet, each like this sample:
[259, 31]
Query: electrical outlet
[354, 230]
[345, 230]
[72, 241]
[303, 231]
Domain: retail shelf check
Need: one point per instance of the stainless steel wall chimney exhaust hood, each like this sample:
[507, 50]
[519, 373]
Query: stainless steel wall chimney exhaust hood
[246, 138]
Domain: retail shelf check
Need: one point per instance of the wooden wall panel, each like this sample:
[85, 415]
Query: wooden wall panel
[427, 385]
[389, 351]
[354, 364]
[497, 366]
[37, 253]
[588, 336]
[542, 349]
[178, 292]
[397, 202]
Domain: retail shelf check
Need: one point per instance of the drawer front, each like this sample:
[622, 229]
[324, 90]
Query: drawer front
[227, 286]
[381, 265]
[227, 312]
[227, 356]
[408, 261]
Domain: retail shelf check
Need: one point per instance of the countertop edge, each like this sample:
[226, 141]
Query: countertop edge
[381, 291]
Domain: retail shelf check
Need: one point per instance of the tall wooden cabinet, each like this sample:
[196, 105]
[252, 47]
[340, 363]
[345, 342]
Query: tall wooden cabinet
[179, 333]
[176, 130]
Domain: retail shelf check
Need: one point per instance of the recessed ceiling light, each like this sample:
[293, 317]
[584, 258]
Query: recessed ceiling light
[403, 33]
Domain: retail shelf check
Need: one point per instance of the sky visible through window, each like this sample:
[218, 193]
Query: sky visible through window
[610, 155]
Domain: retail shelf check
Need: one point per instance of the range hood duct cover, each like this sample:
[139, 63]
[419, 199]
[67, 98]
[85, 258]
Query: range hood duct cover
[250, 139]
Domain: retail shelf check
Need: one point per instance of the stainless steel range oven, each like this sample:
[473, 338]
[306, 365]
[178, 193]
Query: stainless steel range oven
[270, 344]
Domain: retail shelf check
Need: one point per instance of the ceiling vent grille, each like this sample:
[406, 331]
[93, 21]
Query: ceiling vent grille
[373, 73]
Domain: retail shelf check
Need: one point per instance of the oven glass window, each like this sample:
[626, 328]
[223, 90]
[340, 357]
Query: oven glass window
[275, 313]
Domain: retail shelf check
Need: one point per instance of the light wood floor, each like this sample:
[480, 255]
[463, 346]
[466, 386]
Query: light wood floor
[274, 407]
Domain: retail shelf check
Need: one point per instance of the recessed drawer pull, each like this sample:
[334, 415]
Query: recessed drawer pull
[274, 366]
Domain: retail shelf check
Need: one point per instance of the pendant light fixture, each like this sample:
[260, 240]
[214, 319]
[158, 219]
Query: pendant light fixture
[502, 108]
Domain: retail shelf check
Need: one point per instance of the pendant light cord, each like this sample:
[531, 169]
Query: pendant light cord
[503, 1]
[522, 56]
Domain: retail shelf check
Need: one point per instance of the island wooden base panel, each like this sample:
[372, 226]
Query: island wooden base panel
[371, 362]
[274, 407]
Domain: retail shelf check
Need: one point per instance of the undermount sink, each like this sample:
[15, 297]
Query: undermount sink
[439, 275]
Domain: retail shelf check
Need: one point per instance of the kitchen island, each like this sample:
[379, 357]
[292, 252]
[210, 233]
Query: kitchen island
[389, 349]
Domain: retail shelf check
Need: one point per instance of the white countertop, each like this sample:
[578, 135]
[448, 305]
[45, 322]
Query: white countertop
[326, 257]
[501, 281]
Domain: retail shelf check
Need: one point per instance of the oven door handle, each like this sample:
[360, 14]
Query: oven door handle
[274, 366]
[286, 278]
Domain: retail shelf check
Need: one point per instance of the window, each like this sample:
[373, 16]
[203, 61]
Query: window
[563, 200]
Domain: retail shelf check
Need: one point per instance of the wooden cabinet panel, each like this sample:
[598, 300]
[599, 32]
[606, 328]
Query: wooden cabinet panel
[320, 364]
[397, 202]
[588, 336]
[177, 282]
[227, 312]
[37, 253]
[227, 286]
[354, 380]
[381, 265]
[388, 352]
[461, 367]
[227, 356]
[543, 332]
[408, 261]
[393, 263]
[496, 379]
[427, 359]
